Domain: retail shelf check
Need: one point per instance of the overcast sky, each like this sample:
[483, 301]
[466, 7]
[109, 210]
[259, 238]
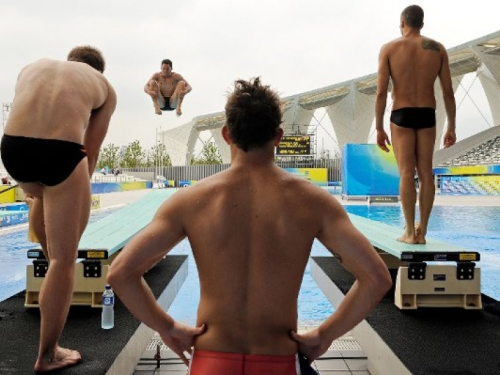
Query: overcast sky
[295, 46]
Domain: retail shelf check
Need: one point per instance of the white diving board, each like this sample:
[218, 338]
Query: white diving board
[384, 237]
[100, 243]
[419, 284]
[114, 231]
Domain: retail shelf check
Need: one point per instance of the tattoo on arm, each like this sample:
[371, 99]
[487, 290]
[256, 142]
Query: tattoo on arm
[337, 256]
[429, 44]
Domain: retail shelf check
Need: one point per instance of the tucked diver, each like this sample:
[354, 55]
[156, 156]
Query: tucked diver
[167, 89]
[413, 62]
[251, 229]
[59, 118]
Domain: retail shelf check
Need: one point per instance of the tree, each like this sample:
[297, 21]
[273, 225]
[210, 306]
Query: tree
[209, 155]
[109, 157]
[133, 156]
[158, 156]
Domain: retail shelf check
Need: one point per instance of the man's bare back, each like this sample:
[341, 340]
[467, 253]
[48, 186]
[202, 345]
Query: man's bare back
[250, 279]
[415, 63]
[54, 100]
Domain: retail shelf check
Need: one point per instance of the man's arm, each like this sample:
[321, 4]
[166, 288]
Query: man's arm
[449, 98]
[359, 257]
[188, 86]
[381, 99]
[154, 78]
[138, 256]
[97, 128]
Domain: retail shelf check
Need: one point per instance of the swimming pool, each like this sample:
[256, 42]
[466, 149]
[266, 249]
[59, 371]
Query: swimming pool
[474, 228]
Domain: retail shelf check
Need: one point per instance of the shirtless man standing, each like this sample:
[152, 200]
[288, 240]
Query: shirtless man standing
[59, 118]
[413, 62]
[251, 254]
[167, 89]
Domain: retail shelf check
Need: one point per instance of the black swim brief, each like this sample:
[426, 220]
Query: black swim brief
[167, 107]
[47, 161]
[414, 117]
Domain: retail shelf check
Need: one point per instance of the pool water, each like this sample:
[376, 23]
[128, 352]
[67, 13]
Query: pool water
[472, 228]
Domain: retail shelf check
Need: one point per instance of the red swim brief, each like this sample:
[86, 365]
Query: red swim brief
[206, 362]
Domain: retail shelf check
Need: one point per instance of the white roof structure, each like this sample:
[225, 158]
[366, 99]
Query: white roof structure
[350, 105]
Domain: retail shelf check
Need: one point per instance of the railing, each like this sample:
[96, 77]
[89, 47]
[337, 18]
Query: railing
[198, 172]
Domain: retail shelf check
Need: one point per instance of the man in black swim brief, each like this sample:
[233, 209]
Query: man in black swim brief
[413, 63]
[46, 161]
[50, 146]
[166, 105]
[167, 89]
[414, 117]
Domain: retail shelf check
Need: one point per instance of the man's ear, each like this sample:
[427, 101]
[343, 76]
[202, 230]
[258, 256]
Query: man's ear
[225, 134]
[279, 135]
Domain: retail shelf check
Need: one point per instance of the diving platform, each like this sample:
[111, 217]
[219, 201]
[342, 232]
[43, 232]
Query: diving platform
[99, 245]
[451, 279]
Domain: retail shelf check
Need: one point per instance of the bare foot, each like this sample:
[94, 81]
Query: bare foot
[405, 238]
[178, 112]
[62, 358]
[421, 240]
[158, 111]
[419, 234]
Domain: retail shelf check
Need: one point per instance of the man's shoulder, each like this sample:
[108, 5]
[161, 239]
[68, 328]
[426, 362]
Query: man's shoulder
[177, 76]
[431, 44]
[392, 43]
[42, 63]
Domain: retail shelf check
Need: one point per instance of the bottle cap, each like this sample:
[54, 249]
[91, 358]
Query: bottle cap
[108, 287]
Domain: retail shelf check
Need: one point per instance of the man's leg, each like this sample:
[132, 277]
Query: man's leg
[153, 90]
[404, 143]
[425, 150]
[37, 224]
[67, 209]
[177, 97]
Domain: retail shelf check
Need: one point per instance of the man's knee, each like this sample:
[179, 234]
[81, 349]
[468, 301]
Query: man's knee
[152, 87]
[407, 174]
[426, 179]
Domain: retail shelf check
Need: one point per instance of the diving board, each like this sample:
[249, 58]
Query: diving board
[100, 243]
[419, 284]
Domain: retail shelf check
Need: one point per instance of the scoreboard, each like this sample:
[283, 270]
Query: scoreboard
[294, 145]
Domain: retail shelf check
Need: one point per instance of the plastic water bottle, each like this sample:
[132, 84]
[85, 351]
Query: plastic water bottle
[108, 314]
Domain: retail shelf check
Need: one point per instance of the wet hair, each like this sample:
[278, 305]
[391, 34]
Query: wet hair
[253, 114]
[88, 55]
[168, 62]
[413, 16]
